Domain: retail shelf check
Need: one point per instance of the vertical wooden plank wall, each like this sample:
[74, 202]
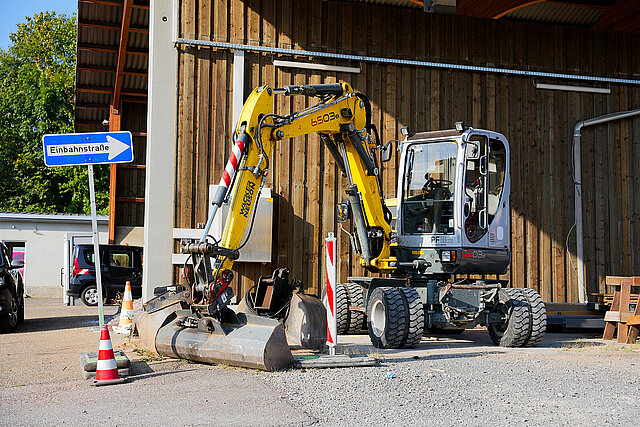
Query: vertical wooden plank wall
[131, 176]
[539, 125]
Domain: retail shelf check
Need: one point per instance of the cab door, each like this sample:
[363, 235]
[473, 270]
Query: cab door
[475, 218]
[486, 191]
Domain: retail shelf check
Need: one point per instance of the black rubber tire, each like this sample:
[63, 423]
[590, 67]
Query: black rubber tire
[537, 317]
[387, 318]
[356, 320]
[415, 323]
[342, 308]
[515, 331]
[21, 309]
[9, 321]
[89, 294]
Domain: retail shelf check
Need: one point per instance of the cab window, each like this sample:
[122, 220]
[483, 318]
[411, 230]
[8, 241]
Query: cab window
[427, 205]
[496, 173]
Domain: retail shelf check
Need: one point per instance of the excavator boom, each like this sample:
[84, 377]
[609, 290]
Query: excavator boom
[205, 327]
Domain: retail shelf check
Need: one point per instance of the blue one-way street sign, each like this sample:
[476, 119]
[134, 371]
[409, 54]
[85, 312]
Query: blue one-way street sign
[87, 148]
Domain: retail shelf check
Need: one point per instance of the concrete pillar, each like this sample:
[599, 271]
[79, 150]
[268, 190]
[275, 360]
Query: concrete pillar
[161, 147]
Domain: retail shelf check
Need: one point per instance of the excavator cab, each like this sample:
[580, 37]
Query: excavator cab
[453, 202]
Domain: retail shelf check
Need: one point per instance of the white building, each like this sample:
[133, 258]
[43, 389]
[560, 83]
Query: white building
[47, 241]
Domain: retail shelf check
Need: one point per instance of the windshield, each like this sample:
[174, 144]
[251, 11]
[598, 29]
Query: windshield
[428, 188]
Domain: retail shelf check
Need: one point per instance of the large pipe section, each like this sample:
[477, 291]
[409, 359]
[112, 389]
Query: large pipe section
[582, 294]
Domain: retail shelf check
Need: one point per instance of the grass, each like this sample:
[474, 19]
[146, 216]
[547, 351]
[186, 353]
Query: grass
[147, 356]
[580, 344]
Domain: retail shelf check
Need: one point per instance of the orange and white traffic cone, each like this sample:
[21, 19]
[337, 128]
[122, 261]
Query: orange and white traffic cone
[126, 312]
[106, 369]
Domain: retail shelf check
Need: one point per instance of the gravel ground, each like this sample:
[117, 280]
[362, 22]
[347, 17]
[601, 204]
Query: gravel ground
[584, 383]
[464, 380]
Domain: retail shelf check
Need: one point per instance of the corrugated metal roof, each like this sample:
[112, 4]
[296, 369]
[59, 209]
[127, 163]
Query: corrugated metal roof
[401, 3]
[557, 13]
[48, 217]
[97, 58]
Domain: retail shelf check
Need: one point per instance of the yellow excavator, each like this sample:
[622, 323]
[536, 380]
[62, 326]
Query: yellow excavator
[451, 217]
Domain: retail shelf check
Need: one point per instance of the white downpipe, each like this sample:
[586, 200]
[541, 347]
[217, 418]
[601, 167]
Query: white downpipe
[582, 293]
[238, 84]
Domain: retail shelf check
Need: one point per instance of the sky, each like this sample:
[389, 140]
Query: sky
[13, 12]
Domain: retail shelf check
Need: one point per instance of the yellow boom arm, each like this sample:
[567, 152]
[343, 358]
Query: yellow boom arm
[342, 118]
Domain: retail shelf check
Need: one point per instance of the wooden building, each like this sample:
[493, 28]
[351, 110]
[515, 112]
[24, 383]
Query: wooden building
[476, 62]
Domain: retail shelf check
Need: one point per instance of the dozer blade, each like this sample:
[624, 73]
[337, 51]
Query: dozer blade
[306, 323]
[250, 342]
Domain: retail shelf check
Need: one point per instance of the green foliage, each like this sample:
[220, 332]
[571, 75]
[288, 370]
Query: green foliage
[37, 74]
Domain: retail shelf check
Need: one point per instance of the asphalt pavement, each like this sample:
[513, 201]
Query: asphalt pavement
[461, 380]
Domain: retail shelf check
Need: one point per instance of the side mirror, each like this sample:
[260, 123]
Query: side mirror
[342, 213]
[17, 264]
[385, 151]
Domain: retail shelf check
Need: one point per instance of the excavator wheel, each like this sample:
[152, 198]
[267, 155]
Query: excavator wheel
[357, 322]
[387, 317]
[415, 312]
[515, 330]
[537, 317]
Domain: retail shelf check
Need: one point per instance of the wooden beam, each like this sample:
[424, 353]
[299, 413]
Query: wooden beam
[90, 106]
[623, 16]
[97, 47]
[122, 51]
[491, 8]
[130, 199]
[111, 49]
[96, 69]
[116, 3]
[103, 2]
[131, 166]
[93, 89]
[109, 26]
[111, 70]
[131, 92]
[114, 126]
[107, 89]
[138, 51]
[134, 100]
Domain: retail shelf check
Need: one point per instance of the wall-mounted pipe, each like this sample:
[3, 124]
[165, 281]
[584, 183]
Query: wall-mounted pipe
[397, 61]
[582, 293]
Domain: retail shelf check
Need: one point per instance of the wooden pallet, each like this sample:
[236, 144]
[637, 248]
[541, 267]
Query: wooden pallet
[620, 316]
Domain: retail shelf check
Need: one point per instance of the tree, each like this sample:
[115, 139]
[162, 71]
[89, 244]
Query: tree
[37, 74]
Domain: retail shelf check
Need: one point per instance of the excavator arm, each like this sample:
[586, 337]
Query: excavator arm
[343, 120]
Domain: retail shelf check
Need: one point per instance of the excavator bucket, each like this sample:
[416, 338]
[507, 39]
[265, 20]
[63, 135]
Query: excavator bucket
[304, 316]
[306, 322]
[248, 341]
[240, 340]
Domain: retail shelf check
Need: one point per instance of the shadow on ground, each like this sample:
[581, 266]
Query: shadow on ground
[55, 323]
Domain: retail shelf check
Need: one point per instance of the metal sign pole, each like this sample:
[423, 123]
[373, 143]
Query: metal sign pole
[96, 244]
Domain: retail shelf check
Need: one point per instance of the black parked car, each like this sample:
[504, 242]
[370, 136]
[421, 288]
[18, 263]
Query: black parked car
[11, 292]
[118, 263]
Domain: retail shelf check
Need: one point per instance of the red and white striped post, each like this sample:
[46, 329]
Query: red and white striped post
[332, 279]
